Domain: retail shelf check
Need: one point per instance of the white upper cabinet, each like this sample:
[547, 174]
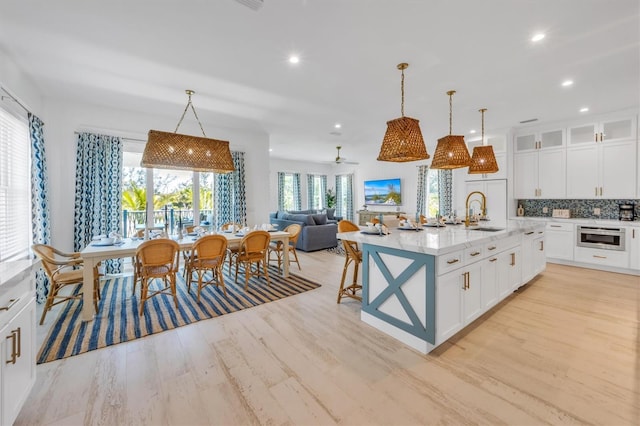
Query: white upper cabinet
[601, 160]
[612, 130]
[542, 139]
[539, 165]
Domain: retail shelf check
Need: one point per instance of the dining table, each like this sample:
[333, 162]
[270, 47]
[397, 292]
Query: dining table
[95, 252]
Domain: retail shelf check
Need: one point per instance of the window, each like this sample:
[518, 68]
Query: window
[344, 196]
[289, 191]
[15, 206]
[432, 193]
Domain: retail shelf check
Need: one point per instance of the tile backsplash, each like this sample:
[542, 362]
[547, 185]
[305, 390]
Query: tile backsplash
[578, 208]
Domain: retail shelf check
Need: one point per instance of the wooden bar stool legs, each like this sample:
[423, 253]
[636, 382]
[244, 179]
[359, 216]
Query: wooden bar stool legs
[353, 255]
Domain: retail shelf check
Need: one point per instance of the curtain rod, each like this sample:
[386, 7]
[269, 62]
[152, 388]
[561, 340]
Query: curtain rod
[121, 137]
[13, 98]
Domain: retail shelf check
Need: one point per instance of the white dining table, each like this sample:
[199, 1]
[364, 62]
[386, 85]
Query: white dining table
[93, 254]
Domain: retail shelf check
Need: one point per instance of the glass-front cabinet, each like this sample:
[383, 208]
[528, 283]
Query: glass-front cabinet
[541, 139]
[613, 130]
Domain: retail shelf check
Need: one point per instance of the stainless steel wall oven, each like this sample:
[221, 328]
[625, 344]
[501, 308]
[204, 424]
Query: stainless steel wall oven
[600, 237]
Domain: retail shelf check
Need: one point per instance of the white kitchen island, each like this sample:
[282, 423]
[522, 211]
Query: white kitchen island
[422, 287]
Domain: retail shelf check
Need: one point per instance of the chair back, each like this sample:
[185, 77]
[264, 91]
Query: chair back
[189, 229]
[346, 226]
[47, 256]
[255, 244]
[423, 219]
[161, 252]
[208, 248]
[230, 225]
[294, 232]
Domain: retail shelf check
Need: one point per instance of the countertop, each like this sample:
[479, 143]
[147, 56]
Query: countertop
[439, 241]
[579, 221]
[15, 270]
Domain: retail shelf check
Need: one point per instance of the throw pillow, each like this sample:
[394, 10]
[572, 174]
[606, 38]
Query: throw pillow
[319, 219]
[330, 213]
[304, 218]
[281, 214]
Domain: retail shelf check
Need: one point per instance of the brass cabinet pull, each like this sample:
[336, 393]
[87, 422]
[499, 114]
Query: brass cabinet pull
[541, 245]
[555, 226]
[633, 233]
[513, 259]
[492, 248]
[14, 346]
[452, 261]
[475, 253]
[601, 137]
[596, 194]
[493, 260]
[528, 233]
[19, 342]
[595, 137]
[11, 303]
[601, 191]
[599, 257]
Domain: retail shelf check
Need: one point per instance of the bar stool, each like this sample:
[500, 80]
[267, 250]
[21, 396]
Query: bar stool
[352, 255]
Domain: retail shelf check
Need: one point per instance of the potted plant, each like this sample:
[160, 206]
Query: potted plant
[330, 198]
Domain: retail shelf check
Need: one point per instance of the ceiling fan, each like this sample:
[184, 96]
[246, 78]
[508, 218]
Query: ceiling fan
[342, 160]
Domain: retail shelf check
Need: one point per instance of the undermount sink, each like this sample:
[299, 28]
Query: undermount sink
[484, 228]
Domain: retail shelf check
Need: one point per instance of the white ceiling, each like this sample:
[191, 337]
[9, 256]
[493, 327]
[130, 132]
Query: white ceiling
[141, 55]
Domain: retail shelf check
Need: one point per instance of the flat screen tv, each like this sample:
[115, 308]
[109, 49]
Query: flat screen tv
[383, 192]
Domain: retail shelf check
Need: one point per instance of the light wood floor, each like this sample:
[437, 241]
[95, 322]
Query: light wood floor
[562, 350]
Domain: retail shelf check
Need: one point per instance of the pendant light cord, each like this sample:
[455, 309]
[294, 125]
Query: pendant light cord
[450, 112]
[189, 104]
[482, 111]
[402, 92]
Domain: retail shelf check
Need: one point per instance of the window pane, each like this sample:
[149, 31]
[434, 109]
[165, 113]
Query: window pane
[15, 205]
[134, 193]
[433, 198]
[206, 198]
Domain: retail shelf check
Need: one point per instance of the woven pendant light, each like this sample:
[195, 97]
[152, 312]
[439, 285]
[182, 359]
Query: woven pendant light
[483, 159]
[451, 151]
[403, 140]
[175, 151]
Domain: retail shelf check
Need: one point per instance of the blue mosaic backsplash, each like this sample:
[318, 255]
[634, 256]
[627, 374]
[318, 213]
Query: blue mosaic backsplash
[578, 208]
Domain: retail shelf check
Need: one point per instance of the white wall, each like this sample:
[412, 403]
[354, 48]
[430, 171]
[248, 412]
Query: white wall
[62, 119]
[18, 85]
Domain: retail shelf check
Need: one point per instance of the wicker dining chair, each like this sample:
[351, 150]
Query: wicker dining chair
[277, 247]
[423, 219]
[207, 254]
[353, 255]
[252, 252]
[157, 260]
[63, 269]
[234, 247]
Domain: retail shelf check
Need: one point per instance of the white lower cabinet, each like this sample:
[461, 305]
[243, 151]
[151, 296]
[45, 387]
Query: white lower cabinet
[533, 254]
[472, 281]
[594, 256]
[560, 240]
[17, 358]
[458, 300]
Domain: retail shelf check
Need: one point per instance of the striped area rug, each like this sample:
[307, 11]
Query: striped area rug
[118, 320]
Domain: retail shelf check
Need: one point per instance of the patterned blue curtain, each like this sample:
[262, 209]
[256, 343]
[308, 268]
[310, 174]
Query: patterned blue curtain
[40, 216]
[98, 197]
[311, 194]
[230, 193]
[297, 194]
[445, 191]
[281, 195]
[421, 198]
[323, 190]
[344, 196]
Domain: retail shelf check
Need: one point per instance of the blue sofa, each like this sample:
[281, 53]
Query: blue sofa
[317, 232]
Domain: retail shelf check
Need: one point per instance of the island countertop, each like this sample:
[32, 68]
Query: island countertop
[443, 240]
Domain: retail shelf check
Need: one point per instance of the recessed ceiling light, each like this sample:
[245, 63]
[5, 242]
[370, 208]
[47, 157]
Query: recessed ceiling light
[567, 83]
[472, 131]
[537, 37]
[585, 109]
[337, 125]
[294, 59]
[270, 149]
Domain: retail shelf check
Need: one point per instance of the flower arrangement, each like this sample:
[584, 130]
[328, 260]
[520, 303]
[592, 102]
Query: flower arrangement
[330, 198]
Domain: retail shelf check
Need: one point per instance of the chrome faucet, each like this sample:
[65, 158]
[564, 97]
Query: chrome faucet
[483, 207]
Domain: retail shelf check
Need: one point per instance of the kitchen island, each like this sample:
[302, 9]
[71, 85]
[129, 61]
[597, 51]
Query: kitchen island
[422, 287]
